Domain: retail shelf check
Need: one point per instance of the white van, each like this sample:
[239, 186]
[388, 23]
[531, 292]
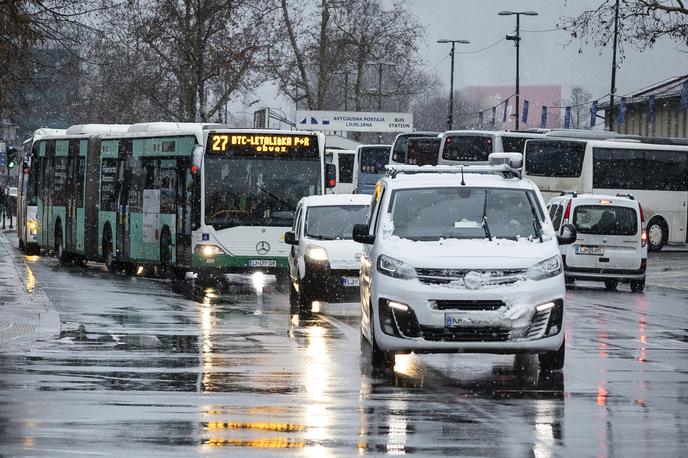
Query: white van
[324, 261]
[344, 160]
[461, 259]
[612, 240]
[474, 146]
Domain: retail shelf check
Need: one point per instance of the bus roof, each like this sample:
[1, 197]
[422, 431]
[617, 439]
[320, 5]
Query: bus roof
[170, 127]
[491, 133]
[86, 129]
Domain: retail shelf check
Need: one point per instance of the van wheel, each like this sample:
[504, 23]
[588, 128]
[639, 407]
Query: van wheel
[638, 286]
[657, 234]
[553, 360]
[379, 358]
[610, 285]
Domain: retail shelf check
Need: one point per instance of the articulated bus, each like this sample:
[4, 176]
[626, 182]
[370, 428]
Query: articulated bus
[178, 197]
[655, 174]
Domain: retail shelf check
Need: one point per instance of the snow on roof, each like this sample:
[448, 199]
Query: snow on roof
[428, 180]
[168, 126]
[495, 133]
[337, 199]
[84, 129]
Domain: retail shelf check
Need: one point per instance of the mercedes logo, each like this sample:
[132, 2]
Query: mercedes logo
[263, 247]
[473, 280]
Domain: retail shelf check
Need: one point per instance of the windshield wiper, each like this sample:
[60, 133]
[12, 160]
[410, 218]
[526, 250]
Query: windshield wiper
[538, 230]
[277, 198]
[322, 237]
[486, 226]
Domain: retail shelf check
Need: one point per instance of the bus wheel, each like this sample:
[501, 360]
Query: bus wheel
[165, 268]
[657, 234]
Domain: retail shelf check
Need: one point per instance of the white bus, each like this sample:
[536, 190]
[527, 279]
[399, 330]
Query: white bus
[655, 174]
[474, 146]
[398, 154]
[343, 160]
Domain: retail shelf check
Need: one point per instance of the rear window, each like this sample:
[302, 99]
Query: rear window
[554, 159]
[469, 148]
[513, 144]
[374, 160]
[605, 220]
[423, 151]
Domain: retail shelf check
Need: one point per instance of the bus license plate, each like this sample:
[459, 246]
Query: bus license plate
[262, 263]
[452, 320]
[350, 281]
[593, 250]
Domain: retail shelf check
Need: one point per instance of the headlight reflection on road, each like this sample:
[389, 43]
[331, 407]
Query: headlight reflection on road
[207, 311]
[318, 378]
[397, 424]
[544, 429]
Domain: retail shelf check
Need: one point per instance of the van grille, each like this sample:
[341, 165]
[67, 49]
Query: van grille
[469, 305]
[466, 334]
[490, 277]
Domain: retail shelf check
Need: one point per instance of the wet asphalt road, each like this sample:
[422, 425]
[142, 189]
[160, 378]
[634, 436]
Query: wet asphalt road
[140, 370]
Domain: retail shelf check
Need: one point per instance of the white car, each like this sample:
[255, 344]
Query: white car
[612, 240]
[324, 261]
[461, 259]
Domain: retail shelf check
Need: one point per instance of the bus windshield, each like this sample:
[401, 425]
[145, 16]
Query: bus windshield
[374, 159]
[469, 148]
[257, 191]
[554, 158]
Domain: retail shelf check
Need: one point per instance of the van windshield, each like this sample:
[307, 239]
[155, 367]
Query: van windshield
[464, 213]
[605, 220]
[334, 222]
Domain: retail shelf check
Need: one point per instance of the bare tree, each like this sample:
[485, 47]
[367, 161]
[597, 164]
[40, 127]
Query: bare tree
[579, 101]
[643, 22]
[430, 113]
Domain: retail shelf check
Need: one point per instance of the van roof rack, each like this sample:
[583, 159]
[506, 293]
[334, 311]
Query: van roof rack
[573, 193]
[620, 194]
[503, 169]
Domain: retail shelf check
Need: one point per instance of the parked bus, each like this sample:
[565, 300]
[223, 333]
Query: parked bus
[370, 166]
[399, 150]
[655, 174]
[474, 146]
[423, 150]
[343, 160]
[177, 197]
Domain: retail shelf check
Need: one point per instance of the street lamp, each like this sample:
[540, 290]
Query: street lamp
[517, 39]
[380, 64]
[450, 116]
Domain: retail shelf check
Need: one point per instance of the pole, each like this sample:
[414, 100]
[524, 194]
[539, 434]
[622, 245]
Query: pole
[379, 88]
[518, 87]
[346, 90]
[612, 90]
[450, 116]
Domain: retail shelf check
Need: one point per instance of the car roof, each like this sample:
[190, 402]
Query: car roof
[336, 199]
[587, 199]
[432, 180]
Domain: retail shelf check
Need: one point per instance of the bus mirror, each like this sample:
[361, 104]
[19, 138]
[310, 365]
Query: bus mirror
[197, 158]
[330, 176]
[568, 234]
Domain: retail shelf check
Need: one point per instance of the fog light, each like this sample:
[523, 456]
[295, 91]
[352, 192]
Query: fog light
[258, 280]
[545, 306]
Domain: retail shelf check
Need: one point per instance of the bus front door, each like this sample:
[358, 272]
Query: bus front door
[123, 186]
[183, 201]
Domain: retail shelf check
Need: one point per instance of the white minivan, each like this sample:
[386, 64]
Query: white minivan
[324, 261]
[461, 259]
[612, 242]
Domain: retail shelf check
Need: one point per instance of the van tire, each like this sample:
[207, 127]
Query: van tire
[637, 286]
[610, 285]
[657, 234]
[553, 360]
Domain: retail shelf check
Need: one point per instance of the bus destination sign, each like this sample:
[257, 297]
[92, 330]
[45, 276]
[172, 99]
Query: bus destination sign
[261, 143]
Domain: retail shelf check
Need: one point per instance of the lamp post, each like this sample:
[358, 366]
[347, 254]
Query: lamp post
[517, 39]
[450, 116]
[379, 65]
[612, 90]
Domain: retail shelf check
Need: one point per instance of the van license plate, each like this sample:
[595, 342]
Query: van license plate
[593, 250]
[350, 281]
[452, 320]
[262, 263]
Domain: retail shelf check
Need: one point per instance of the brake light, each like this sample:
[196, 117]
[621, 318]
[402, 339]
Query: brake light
[642, 215]
[567, 212]
[332, 182]
[643, 237]
[605, 202]
[194, 169]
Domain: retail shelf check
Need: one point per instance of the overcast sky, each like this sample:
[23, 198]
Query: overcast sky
[546, 59]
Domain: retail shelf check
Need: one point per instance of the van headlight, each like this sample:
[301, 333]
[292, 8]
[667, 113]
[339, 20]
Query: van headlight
[550, 267]
[316, 253]
[394, 268]
[208, 251]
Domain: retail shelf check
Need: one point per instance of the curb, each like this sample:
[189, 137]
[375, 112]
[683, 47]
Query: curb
[25, 309]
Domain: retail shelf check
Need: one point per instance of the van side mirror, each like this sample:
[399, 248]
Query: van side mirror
[330, 176]
[290, 238]
[567, 235]
[361, 234]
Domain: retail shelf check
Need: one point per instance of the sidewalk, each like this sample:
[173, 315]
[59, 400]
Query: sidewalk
[25, 310]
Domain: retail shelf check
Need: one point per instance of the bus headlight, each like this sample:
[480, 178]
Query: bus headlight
[208, 251]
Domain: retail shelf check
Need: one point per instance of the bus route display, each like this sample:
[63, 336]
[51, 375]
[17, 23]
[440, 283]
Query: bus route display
[261, 143]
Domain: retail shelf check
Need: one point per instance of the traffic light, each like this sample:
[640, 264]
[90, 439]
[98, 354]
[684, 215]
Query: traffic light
[11, 158]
